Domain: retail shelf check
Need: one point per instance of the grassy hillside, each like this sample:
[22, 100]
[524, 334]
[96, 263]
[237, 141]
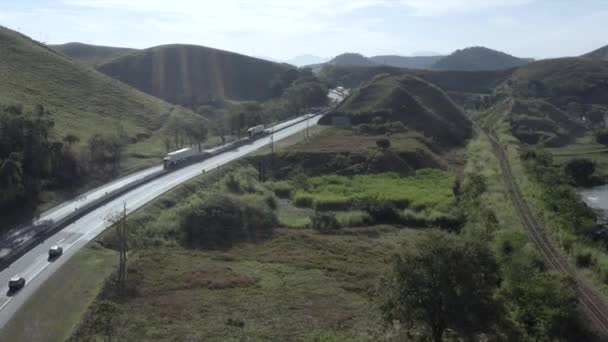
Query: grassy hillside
[81, 100]
[601, 53]
[350, 59]
[537, 122]
[575, 85]
[415, 62]
[190, 75]
[478, 58]
[91, 55]
[418, 105]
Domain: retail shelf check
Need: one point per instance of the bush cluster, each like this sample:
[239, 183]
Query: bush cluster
[219, 220]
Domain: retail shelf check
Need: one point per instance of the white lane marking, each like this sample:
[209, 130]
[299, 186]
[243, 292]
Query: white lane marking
[8, 299]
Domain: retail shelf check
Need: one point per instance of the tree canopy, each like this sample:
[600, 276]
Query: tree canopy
[442, 283]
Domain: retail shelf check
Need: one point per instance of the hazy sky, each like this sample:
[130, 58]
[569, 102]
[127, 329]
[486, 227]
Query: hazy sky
[285, 28]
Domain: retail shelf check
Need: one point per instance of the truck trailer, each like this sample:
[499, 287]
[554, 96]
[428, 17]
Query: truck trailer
[255, 131]
[172, 159]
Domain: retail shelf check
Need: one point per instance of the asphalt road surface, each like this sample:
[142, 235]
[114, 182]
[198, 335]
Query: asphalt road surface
[35, 267]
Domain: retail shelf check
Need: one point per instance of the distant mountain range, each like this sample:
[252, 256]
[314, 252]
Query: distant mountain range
[469, 59]
[479, 58]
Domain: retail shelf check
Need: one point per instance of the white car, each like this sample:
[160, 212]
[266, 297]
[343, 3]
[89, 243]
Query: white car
[16, 283]
[55, 252]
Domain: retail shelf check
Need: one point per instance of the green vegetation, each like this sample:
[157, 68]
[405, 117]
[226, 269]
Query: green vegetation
[191, 75]
[478, 58]
[293, 284]
[537, 305]
[91, 55]
[428, 190]
[416, 104]
[82, 101]
[572, 84]
[444, 283]
[32, 161]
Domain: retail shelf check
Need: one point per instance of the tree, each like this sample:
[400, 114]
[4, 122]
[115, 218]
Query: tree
[580, 170]
[383, 143]
[601, 136]
[544, 304]
[105, 319]
[71, 139]
[444, 282]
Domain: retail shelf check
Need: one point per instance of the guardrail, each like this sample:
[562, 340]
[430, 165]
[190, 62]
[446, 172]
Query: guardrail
[50, 228]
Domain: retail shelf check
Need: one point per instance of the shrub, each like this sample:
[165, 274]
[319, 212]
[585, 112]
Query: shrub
[383, 143]
[584, 259]
[233, 184]
[282, 189]
[446, 221]
[220, 220]
[601, 136]
[303, 200]
[413, 219]
[324, 222]
[383, 212]
[271, 201]
[580, 170]
[332, 204]
[354, 218]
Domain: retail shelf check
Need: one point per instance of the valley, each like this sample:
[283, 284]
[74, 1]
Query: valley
[160, 189]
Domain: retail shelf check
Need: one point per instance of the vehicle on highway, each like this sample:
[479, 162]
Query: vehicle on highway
[255, 131]
[175, 158]
[55, 252]
[16, 283]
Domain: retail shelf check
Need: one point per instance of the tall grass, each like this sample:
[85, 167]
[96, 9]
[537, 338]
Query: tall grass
[428, 189]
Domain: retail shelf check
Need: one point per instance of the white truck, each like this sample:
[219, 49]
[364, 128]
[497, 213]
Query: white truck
[175, 158]
[255, 131]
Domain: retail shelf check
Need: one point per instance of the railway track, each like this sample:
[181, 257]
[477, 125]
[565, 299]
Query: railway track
[589, 300]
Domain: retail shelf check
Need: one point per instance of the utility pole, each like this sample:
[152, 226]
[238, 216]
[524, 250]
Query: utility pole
[272, 140]
[307, 135]
[121, 229]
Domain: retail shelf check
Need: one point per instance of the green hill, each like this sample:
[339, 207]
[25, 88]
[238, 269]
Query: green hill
[91, 55]
[81, 100]
[478, 58]
[537, 122]
[575, 85]
[351, 59]
[601, 53]
[191, 75]
[417, 104]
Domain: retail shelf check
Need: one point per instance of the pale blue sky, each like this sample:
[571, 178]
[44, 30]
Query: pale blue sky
[282, 29]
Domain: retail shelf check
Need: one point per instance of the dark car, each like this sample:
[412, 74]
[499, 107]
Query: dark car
[16, 283]
[55, 252]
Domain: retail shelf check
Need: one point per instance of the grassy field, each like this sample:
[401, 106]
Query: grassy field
[428, 189]
[299, 285]
[56, 308]
[585, 147]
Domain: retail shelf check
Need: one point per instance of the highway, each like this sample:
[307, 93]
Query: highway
[35, 267]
